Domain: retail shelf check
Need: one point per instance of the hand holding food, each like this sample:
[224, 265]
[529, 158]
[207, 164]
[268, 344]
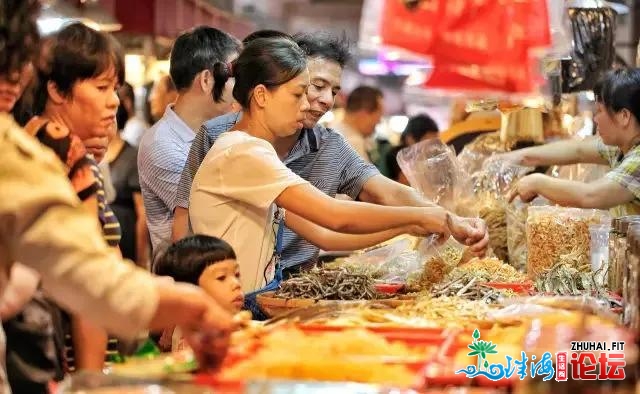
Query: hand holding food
[471, 232]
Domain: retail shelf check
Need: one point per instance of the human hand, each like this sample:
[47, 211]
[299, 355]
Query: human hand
[526, 188]
[471, 232]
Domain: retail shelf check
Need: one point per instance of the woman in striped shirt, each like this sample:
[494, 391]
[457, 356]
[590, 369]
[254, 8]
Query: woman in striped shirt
[77, 99]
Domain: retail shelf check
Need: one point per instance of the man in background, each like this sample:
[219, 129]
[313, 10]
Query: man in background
[363, 111]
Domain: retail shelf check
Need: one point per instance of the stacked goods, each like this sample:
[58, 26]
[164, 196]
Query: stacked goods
[557, 235]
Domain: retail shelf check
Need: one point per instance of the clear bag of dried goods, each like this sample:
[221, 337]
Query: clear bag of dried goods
[490, 186]
[559, 235]
[516, 230]
[431, 168]
[475, 153]
[436, 262]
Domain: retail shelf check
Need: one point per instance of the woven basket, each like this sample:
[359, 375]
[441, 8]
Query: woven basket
[275, 306]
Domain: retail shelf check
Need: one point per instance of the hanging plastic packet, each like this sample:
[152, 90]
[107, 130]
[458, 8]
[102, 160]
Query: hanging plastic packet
[432, 169]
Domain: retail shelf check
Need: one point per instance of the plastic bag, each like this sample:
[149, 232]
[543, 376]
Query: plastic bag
[557, 234]
[475, 153]
[436, 261]
[490, 185]
[580, 172]
[392, 263]
[432, 169]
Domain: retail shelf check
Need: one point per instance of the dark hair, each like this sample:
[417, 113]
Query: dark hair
[620, 89]
[264, 34]
[19, 37]
[264, 61]
[126, 91]
[324, 45]
[78, 53]
[364, 98]
[417, 127]
[198, 50]
[187, 259]
[168, 83]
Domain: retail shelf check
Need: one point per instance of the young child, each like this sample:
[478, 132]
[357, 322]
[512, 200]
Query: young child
[204, 261]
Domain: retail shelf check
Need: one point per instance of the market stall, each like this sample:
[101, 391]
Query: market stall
[554, 302]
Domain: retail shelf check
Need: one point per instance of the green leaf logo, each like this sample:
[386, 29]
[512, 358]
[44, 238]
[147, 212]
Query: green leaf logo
[476, 334]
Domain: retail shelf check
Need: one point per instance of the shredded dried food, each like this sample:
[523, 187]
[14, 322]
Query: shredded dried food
[435, 269]
[487, 270]
[323, 284]
[353, 355]
[554, 232]
[493, 212]
[516, 234]
[425, 311]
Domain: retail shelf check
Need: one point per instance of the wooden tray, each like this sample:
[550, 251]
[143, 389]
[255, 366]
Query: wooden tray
[275, 306]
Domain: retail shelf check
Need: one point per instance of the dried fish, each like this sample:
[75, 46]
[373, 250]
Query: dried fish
[469, 287]
[323, 284]
[565, 279]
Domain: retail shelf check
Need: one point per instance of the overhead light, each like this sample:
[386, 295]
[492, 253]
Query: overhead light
[392, 56]
[47, 26]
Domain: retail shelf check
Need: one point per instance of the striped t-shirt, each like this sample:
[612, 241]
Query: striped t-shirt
[321, 156]
[161, 156]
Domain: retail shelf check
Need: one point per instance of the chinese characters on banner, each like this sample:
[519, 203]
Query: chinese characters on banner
[475, 44]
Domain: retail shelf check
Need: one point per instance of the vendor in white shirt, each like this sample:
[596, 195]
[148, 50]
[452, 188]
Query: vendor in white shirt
[242, 189]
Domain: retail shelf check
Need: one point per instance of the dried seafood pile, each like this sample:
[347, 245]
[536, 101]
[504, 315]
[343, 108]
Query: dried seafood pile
[555, 234]
[493, 212]
[564, 278]
[487, 270]
[322, 284]
[470, 288]
[447, 311]
[435, 269]
[516, 234]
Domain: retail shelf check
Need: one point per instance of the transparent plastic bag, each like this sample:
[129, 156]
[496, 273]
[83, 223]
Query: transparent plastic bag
[490, 186]
[436, 261]
[392, 263]
[516, 234]
[516, 231]
[432, 169]
[557, 234]
[580, 172]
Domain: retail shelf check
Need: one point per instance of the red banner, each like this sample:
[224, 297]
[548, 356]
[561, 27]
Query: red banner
[475, 44]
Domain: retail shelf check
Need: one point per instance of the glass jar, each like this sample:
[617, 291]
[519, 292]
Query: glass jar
[619, 239]
[629, 290]
[613, 253]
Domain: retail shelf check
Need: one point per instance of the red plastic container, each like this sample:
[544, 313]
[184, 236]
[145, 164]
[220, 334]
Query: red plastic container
[524, 288]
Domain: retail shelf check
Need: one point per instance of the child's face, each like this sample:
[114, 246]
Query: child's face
[222, 282]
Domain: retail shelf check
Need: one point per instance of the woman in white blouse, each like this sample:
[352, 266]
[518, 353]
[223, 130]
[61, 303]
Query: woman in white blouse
[243, 188]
